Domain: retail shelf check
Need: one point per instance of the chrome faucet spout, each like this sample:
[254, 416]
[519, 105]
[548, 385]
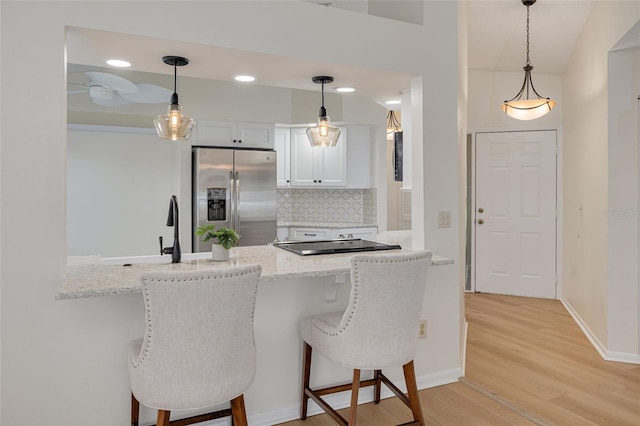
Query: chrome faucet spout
[173, 220]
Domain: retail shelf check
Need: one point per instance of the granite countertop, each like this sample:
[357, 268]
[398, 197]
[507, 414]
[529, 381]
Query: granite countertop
[90, 276]
[331, 225]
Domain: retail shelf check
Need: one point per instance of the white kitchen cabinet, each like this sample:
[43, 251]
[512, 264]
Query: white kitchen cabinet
[307, 234]
[233, 134]
[317, 167]
[362, 233]
[283, 149]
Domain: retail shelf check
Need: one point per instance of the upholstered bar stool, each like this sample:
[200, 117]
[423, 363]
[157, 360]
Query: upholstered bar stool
[378, 330]
[198, 348]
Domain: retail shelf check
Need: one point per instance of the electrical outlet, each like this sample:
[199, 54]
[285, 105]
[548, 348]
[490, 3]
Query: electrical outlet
[444, 219]
[422, 331]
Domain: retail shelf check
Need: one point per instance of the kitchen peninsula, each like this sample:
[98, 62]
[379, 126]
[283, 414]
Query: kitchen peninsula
[291, 287]
[90, 276]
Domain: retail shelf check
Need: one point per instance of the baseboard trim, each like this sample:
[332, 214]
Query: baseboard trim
[463, 347]
[627, 357]
[607, 355]
[341, 400]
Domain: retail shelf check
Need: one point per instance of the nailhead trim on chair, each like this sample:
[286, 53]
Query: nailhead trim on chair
[146, 343]
[355, 282]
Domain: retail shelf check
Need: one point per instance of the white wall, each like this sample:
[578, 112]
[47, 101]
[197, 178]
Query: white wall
[589, 172]
[622, 212]
[64, 362]
[118, 190]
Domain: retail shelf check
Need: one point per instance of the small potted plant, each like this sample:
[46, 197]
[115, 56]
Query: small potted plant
[224, 239]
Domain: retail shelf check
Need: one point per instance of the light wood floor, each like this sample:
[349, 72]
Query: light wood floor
[528, 363]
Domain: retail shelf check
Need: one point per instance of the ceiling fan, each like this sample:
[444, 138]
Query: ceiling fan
[111, 90]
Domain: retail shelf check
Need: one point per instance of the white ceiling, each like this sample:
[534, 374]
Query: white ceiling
[497, 34]
[496, 42]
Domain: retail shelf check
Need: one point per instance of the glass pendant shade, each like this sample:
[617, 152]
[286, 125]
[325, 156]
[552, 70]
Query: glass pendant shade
[174, 125]
[323, 135]
[528, 109]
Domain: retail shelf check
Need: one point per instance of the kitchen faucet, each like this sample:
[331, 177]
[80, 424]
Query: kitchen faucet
[172, 220]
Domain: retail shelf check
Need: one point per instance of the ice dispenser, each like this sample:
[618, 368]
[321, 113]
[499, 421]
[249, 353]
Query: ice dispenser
[216, 204]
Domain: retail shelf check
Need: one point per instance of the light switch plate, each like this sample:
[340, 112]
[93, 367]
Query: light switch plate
[444, 219]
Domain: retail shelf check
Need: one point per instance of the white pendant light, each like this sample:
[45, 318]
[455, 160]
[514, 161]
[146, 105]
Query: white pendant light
[323, 134]
[174, 125]
[524, 108]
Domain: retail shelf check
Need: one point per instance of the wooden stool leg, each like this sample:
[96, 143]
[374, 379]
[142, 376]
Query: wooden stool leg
[377, 386]
[306, 373]
[412, 392]
[238, 412]
[135, 411]
[163, 418]
[355, 387]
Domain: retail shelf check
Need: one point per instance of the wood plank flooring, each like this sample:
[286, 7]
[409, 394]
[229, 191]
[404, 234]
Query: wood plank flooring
[528, 363]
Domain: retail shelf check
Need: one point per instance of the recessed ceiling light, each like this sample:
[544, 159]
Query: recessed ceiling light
[393, 102]
[244, 78]
[118, 63]
[345, 89]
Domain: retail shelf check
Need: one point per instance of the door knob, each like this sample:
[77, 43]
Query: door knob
[480, 210]
[480, 221]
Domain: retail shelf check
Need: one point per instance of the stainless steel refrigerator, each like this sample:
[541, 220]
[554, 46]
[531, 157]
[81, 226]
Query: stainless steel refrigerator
[234, 188]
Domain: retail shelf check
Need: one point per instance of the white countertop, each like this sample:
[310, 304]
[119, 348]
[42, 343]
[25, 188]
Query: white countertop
[90, 276]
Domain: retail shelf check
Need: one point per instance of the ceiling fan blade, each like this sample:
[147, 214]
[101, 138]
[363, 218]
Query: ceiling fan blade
[73, 88]
[115, 101]
[149, 94]
[117, 83]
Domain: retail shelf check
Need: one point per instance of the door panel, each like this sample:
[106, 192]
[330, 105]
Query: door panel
[515, 218]
[212, 191]
[256, 197]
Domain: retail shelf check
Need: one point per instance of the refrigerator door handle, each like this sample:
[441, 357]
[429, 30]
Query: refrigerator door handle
[231, 199]
[236, 216]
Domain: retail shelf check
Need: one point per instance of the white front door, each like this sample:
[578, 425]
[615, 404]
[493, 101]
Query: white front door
[515, 217]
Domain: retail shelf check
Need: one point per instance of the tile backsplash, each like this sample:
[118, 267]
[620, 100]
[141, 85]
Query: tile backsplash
[327, 205]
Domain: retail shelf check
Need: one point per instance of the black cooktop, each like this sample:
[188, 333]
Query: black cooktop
[307, 248]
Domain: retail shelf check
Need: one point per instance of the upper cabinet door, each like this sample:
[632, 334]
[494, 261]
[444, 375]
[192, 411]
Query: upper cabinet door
[256, 135]
[333, 162]
[318, 167]
[230, 134]
[282, 146]
[217, 133]
[303, 160]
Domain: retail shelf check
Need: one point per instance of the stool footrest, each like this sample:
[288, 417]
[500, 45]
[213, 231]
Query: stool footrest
[201, 418]
[342, 388]
[395, 390]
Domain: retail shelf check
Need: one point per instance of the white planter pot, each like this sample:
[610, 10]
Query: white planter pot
[219, 253]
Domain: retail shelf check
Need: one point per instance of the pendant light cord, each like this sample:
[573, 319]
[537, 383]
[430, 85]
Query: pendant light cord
[174, 97]
[528, 61]
[175, 73]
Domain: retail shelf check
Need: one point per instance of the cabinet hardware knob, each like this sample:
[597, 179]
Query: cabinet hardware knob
[235, 141]
[239, 140]
[480, 210]
[480, 221]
